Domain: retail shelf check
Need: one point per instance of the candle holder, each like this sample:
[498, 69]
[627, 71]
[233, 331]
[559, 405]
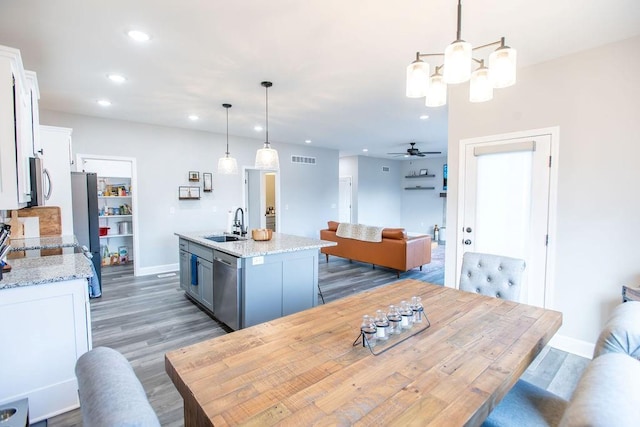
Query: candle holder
[393, 340]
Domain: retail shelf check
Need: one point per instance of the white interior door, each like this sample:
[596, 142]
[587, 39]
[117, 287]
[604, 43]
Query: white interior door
[505, 193]
[344, 194]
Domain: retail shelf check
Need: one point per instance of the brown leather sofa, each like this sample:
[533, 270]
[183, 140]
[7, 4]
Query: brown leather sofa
[396, 250]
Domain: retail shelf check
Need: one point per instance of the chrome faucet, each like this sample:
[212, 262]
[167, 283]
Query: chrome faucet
[239, 223]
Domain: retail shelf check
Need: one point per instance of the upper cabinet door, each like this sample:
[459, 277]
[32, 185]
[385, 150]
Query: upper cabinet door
[17, 124]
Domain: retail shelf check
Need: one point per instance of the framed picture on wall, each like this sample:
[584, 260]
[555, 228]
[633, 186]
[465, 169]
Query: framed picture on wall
[194, 176]
[188, 193]
[207, 182]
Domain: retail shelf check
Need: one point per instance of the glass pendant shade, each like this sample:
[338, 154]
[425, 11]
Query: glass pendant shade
[480, 87]
[437, 94]
[417, 79]
[502, 63]
[267, 158]
[227, 165]
[457, 62]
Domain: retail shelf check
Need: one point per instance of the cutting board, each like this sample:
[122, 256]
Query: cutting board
[48, 216]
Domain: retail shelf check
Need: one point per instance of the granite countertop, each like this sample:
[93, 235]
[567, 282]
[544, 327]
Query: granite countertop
[248, 248]
[48, 269]
[52, 242]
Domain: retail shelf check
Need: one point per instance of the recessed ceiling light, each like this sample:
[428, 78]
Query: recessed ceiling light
[104, 102]
[139, 36]
[365, 149]
[116, 78]
[257, 128]
[307, 141]
[193, 117]
[424, 117]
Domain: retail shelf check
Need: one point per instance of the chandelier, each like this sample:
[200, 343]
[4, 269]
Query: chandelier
[458, 61]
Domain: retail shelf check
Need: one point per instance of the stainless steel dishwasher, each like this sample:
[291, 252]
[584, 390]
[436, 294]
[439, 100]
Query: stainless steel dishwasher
[226, 289]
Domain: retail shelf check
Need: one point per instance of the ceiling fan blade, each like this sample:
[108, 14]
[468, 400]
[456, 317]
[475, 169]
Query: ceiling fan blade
[420, 154]
[397, 153]
[431, 152]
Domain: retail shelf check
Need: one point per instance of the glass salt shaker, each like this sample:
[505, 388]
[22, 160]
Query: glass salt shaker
[407, 315]
[418, 309]
[368, 329]
[382, 326]
[393, 315]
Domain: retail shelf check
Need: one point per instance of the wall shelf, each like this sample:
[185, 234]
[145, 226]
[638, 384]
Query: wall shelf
[420, 176]
[419, 188]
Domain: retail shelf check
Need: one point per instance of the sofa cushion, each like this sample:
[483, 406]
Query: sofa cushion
[621, 333]
[608, 394]
[393, 233]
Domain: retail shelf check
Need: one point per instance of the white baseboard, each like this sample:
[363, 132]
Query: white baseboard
[572, 345]
[146, 271]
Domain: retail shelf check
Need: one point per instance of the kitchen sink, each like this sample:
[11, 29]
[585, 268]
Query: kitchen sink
[224, 238]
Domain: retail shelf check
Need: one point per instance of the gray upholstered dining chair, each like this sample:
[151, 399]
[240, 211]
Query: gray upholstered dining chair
[492, 275]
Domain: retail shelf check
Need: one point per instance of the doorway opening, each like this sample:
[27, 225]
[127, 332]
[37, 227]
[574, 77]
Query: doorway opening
[261, 198]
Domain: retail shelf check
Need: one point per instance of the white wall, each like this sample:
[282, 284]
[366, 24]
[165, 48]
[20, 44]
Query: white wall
[164, 156]
[379, 197]
[593, 97]
[422, 209]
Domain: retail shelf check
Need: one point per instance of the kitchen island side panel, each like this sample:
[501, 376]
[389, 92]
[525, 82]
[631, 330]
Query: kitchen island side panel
[278, 285]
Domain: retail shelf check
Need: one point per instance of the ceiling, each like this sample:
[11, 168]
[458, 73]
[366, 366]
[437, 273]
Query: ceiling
[338, 67]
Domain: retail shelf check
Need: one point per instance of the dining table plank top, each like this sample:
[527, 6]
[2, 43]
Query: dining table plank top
[302, 369]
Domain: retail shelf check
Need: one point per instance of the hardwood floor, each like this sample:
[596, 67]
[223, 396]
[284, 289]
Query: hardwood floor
[144, 317]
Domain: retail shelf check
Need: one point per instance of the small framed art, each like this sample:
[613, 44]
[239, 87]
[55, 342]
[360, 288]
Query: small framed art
[194, 176]
[207, 182]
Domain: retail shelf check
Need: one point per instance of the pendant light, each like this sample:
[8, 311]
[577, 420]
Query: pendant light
[227, 165]
[267, 157]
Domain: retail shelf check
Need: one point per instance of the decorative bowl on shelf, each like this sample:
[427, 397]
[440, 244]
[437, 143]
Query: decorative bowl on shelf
[104, 231]
[261, 234]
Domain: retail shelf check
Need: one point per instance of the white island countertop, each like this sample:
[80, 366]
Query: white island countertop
[279, 243]
[47, 269]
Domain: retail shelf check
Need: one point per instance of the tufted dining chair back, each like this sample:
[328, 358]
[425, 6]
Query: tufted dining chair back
[492, 275]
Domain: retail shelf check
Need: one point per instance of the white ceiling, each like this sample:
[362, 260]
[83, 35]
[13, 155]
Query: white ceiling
[338, 66]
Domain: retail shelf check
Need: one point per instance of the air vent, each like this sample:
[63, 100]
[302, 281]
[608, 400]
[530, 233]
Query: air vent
[386, 169]
[303, 160]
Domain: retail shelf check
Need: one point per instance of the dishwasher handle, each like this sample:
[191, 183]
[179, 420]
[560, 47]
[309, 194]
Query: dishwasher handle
[224, 261]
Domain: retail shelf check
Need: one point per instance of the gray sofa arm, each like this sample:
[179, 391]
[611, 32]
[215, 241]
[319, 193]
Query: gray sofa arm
[621, 334]
[608, 394]
[110, 393]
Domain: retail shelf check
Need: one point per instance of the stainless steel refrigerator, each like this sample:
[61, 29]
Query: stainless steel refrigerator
[84, 201]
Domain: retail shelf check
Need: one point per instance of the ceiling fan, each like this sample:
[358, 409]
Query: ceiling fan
[413, 151]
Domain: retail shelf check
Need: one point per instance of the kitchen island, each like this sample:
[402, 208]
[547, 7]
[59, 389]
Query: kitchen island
[245, 282]
[45, 326]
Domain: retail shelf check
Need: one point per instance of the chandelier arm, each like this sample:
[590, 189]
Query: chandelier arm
[500, 42]
[423, 55]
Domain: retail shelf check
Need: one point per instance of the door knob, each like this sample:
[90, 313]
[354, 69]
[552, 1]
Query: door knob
[467, 242]
[468, 230]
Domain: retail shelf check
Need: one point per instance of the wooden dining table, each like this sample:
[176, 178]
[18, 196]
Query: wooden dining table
[303, 369]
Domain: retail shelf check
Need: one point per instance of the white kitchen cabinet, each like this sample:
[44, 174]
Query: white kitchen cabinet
[44, 328]
[17, 124]
[55, 152]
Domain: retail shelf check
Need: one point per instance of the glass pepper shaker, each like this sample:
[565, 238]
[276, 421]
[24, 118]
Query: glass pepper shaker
[382, 326]
[368, 329]
[393, 315]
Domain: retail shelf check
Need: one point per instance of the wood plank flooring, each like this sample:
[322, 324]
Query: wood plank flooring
[144, 317]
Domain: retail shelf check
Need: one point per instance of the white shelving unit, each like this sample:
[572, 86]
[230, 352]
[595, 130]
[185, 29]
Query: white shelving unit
[114, 198]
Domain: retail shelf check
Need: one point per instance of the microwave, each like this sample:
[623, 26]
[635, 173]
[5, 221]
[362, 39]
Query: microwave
[40, 182]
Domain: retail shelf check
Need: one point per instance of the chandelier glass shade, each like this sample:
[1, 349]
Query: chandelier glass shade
[227, 165]
[267, 157]
[460, 65]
